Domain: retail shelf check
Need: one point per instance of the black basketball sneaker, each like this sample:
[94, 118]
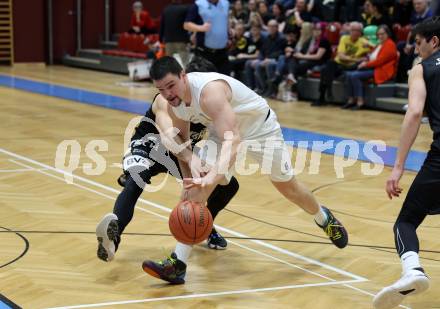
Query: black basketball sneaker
[334, 230]
[216, 241]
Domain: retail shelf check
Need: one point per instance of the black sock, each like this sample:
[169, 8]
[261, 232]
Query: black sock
[221, 196]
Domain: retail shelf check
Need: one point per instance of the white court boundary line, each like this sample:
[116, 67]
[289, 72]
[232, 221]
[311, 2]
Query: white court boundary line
[234, 292]
[166, 209]
[356, 278]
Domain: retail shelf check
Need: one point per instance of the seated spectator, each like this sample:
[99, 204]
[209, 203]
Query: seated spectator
[253, 15]
[374, 14]
[263, 10]
[284, 60]
[262, 69]
[278, 14]
[421, 11]
[244, 48]
[352, 49]
[141, 22]
[296, 17]
[401, 12]
[239, 14]
[381, 65]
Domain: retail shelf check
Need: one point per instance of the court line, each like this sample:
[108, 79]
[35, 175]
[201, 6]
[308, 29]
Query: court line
[166, 218]
[233, 292]
[233, 242]
[357, 279]
[234, 233]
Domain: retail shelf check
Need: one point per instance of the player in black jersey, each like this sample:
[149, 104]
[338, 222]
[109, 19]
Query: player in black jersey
[423, 197]
[145, 158]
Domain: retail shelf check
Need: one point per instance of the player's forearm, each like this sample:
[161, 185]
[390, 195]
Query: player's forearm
[410, 128]
[184, 168]
[228, 154]
[174, 143]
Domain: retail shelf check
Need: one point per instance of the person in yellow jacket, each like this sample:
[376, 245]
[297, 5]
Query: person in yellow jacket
[352, 49]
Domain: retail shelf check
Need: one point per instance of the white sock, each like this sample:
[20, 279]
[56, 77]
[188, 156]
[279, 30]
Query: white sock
[321, 217]
[183, 251]
[410, 260]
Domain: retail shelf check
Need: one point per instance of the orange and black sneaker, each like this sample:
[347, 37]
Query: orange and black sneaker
[170, 269]
[334, 230]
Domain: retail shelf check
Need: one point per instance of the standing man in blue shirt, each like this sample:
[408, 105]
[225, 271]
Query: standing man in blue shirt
[209, 20]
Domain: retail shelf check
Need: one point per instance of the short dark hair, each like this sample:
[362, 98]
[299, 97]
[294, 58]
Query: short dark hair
[200, 64]
[164, 66]
[386, 29]
[428, 28]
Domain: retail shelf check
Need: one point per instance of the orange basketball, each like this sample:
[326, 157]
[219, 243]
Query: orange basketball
[190, 222]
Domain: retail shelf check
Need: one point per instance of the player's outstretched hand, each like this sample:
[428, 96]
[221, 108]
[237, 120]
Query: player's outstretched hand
[392, 185]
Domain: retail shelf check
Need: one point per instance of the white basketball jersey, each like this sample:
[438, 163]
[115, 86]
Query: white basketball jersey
[250, 109]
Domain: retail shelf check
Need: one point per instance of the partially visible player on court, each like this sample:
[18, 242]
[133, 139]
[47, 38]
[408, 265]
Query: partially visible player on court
[142, 162]
[423, 197]
[229, 108]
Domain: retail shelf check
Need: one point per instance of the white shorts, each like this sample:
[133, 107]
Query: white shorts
[266, 146]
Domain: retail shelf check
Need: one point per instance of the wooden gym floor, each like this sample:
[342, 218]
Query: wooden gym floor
[48, 246]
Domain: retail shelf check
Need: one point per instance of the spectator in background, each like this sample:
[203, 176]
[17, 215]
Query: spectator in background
[209, 20]
[421, 11]
[352, 49]
[401, 12]
[374, 14]
[381, 65]
[296, 17]
[244, 49]
[171, 30]
[254, 17]
[262, 69]
[141, 22]
[278, 14]
[239, 14]
[283, 62]
[263, 10]
[318, 52]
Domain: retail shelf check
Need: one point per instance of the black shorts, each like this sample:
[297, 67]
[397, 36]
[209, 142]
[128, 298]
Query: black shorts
[424, 193]
[150, 157]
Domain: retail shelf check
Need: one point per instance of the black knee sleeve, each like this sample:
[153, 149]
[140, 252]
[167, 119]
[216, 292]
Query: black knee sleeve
[126, 201]
[221, 196]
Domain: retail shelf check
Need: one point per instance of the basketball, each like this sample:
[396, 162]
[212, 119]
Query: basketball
[190, 222]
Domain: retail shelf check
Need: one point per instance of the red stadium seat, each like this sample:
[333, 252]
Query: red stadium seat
[332, 32]
[123, 41]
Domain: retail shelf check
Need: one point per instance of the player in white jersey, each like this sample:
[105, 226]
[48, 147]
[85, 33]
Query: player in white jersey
[237, 119]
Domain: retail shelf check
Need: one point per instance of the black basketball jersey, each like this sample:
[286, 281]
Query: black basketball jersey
[147, 126]
[431, 75]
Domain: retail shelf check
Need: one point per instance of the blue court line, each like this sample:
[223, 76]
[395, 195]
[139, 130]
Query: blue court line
[4, 306]
[293, 136]
[74, 94]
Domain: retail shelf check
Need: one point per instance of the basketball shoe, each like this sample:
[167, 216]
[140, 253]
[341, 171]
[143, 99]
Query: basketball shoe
[216, 241]
[170, 269]
[107, 233]
[412, 282]
[334, 229]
